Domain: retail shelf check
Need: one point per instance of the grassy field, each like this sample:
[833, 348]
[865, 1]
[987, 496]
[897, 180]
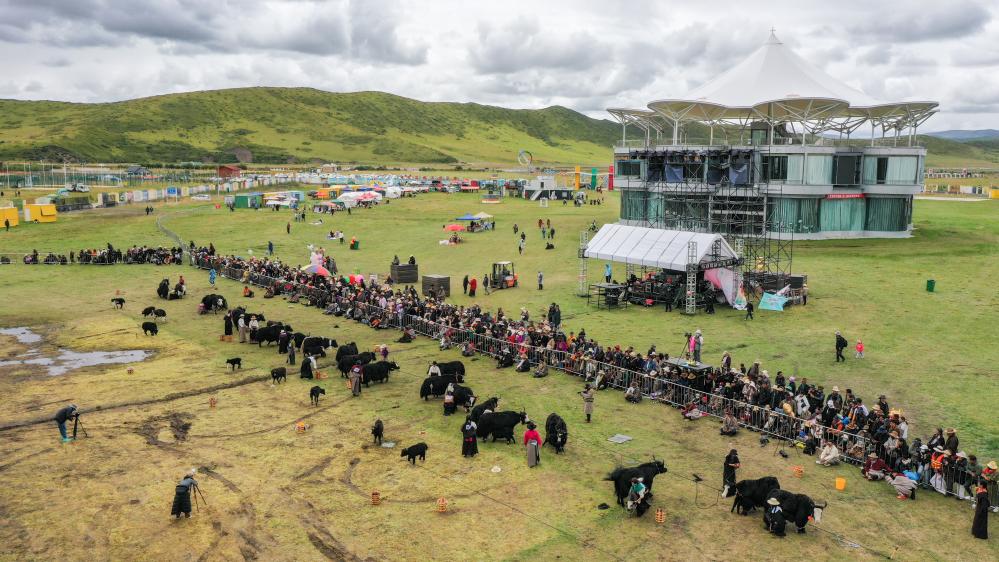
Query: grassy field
[275, 494]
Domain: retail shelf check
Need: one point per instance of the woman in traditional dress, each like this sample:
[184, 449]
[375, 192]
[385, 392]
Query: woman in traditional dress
[532, 440]
[469, 445]
[587, 395]
[182, 496]
[980, 526]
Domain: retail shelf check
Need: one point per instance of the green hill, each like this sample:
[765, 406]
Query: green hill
[298, 124]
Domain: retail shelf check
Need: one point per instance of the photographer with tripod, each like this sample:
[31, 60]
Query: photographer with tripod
[64, 415]
[182, 498]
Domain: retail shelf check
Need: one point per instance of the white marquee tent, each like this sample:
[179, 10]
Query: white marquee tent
[653, 247]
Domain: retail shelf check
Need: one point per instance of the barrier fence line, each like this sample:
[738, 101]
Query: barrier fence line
[853, 447]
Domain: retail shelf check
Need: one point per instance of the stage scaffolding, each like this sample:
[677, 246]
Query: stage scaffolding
[724, 190]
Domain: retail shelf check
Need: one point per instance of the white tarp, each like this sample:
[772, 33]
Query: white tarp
[653, 247]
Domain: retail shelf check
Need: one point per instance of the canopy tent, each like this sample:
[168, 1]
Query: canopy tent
[467, 217]
[775, 85]
[482, 216]
[654, 247]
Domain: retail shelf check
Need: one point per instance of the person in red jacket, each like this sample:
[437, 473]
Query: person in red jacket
[472, 284]
[532, 440]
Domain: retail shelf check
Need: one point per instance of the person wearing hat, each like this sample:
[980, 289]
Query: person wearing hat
[952, 441]
[962, 477]
[938, 464]
[836, 398]
[874, 467]
[532, 441]
[840, 346]
[182, 495]
[990, 477]
[587, 394]
[62, 416]
[469, 445]
[829, 455]
[636, 493]
[773, 517]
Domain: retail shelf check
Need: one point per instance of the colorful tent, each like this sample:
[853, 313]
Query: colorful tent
[467, 217]
[317, 269]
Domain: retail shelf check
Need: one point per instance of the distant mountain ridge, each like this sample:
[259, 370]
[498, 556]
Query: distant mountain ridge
[963, 135]
[280, 125]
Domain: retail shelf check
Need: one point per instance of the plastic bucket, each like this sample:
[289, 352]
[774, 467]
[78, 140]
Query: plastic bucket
[931, 285]
[841, 484]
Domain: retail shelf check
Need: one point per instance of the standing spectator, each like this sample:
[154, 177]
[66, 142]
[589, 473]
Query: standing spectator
[698, 342]
[520, 246]
[485, 283]
[471, 286]
[287, 228]
[840, 346]
[241, 326]
[551, 233]
[952, 441]
[291, 354]
[516, 228]
[6, 224]
[532, 441]
[860, 350]
[464, 285]
[607, 272]
[541, 280]
[749, 310]
[270, 248]
[729, 467]
[980, 525]
[469, 447]
[587, 395]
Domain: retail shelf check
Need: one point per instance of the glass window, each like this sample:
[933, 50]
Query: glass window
[631, 168]
[775, 168]
[901, 170]
[818, 170]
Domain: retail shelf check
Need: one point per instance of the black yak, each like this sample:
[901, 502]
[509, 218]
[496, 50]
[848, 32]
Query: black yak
[148, 311]
[314, 393]
[499, 424]
[452, 368]
[621, 477]
[556, 432]
[159, 314]
[345, 350]
[489, 405]
[413, 451]
[378, 430]
[315, 345]
[279, 374]
[436, 386]
[163, 290]
[750, 494]
[150, 328]
[234, 362]
[377, 372]
[118, 302]
[798, 508]
[346, 363]
[464, 397]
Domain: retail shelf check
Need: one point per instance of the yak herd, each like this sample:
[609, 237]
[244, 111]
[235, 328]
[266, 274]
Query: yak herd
[748, 495]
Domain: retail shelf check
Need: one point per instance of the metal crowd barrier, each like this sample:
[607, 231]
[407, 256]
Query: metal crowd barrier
[853, 447]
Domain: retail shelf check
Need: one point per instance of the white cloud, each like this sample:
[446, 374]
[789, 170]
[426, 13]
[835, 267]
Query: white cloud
[586, 55]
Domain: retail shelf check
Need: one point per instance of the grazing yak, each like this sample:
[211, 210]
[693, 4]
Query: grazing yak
[377, 372]
[464, 397]
[315, 345]
[798, 508]
[279, 374]
[750, 494]
[118, 302]
[621, 477]
[436, 386]
[452, 368]
[378, 430]
[499, 424]
[413, 451]
[268, 334]
[150, 328]
[314, 393]
[489, 405]
[556, 432]
[234, 362]
[345, 364]
[213, 303]
[148, 311]
[345, 350]
[163, 290]
[159, 314]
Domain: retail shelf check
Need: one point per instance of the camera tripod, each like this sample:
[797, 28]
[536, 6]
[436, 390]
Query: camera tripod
[197, 492]
[77, 424]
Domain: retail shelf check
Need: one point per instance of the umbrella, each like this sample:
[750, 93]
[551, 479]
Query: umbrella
[454, 228]
[317, 269]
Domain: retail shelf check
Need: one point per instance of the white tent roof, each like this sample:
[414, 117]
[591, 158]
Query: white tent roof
[774, 83]
[652, 247]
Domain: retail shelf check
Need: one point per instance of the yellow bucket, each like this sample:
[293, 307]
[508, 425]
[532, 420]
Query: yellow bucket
[841, 484]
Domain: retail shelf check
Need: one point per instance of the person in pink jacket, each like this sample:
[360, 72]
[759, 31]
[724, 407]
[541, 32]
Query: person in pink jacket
[860, 349]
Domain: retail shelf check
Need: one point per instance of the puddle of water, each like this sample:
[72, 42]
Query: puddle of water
[68, 360]
[23, 335]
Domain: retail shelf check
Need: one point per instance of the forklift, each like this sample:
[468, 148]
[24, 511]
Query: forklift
[503, 276]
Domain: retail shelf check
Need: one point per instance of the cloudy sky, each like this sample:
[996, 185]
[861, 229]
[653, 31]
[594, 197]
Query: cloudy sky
[584, 54]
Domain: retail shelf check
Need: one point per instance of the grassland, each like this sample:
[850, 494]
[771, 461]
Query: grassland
[274, 494]
[298, 124]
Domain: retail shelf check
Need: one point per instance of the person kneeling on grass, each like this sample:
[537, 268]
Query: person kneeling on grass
[633, 394]
[905, 487]
[247, 292]
[730, 425]
[829, 455]
[541, 371]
